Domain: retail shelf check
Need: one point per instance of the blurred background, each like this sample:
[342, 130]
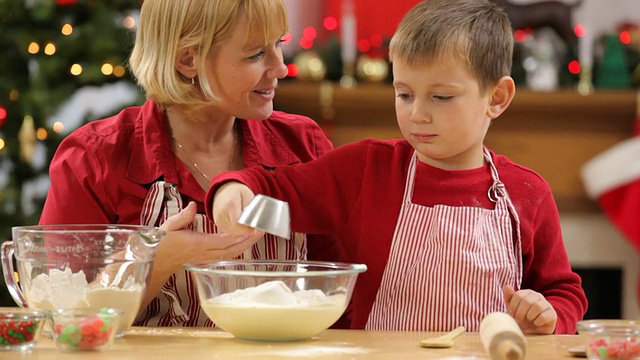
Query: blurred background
[576, 63]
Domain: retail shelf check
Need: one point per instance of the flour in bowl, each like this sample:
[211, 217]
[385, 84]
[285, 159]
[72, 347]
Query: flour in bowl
[271, 311]
[67, 290]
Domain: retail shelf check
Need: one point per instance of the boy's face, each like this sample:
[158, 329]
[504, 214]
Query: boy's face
[442, 112]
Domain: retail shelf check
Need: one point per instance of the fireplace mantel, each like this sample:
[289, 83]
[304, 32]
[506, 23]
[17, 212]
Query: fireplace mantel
[554, 133]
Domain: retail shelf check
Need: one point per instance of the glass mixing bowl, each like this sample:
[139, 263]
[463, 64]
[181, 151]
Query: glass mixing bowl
[80, 266]
[274, 300]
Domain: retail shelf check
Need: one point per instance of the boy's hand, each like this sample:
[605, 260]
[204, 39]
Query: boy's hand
[228, 203]
[533, 313]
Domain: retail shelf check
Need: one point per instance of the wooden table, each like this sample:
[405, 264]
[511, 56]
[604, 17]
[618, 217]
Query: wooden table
[195, 344]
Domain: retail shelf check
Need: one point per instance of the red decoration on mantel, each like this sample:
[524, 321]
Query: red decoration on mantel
[3, 116]
[374, 18]
[66, 2]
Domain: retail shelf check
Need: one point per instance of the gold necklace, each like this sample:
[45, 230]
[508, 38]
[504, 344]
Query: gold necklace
[195, 165]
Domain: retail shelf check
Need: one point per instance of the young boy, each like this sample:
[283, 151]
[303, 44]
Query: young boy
[449, 230]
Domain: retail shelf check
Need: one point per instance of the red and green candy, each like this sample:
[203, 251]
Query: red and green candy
[615, 350]
[16, 332]
[89, 333]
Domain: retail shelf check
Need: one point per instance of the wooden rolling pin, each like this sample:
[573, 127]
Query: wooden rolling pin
[502, 338]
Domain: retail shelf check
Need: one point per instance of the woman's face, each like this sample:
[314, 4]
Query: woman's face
[244, 76]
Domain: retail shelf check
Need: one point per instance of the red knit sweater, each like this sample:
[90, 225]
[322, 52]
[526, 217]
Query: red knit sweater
[355, 193]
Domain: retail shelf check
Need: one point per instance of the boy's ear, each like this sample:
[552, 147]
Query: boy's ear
[501, 96]
[186, 62]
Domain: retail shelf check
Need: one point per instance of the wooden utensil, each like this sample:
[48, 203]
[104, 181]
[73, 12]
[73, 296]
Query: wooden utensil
[578, 351]
[502, 338]
[443, 341]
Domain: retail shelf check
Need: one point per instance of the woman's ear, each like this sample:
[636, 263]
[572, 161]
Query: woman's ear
[186, 62]
[501, 96]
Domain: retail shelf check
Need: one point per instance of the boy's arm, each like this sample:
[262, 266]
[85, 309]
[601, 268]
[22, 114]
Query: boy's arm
[547, 269]
[320, 193]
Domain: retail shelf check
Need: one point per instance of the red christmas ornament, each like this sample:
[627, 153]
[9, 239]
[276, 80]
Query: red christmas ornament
[3, 116]
[613, 179]
[66, 2]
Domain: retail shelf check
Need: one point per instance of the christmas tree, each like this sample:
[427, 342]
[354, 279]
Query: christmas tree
[52, 51]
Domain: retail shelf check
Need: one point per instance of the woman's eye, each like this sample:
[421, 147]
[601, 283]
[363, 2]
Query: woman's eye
[257, 56]
[285, 39]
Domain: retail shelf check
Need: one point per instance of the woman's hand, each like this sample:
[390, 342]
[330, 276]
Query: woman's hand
[181, 245]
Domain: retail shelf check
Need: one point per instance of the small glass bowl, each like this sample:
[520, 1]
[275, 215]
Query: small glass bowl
[85, 329]
[611, 339]
[20, 328]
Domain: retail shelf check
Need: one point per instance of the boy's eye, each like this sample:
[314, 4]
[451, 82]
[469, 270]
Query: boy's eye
[442, 97]
[403, 96]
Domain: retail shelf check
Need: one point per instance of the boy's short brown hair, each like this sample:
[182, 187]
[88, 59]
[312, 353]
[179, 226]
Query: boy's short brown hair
[475, 31]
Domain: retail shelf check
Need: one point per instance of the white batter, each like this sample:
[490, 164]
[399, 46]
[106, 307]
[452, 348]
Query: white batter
[128, 300]
[271, 311]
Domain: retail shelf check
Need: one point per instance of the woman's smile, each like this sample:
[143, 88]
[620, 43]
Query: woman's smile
[266, 94]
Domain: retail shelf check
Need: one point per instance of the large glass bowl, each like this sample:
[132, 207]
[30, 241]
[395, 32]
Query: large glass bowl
[274, 300]
[80, 266]
[611, 339]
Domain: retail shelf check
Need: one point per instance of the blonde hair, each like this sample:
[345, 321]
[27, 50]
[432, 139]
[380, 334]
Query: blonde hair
[477, 32]
[166, 26]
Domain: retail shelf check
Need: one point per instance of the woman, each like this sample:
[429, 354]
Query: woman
[210, 70]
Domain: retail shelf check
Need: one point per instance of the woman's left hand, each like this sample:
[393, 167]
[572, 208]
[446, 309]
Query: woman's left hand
[181, 245]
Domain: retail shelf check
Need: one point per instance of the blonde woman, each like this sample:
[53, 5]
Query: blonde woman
[210, 69]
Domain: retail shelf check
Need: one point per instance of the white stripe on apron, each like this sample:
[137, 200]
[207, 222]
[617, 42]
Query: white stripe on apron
[178, 304]
[447, 265]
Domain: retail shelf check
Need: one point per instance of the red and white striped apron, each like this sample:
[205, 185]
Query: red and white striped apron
[177, 304]
[448, 265]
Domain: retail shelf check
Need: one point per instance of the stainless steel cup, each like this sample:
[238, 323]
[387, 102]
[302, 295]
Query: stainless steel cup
[269, 215]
